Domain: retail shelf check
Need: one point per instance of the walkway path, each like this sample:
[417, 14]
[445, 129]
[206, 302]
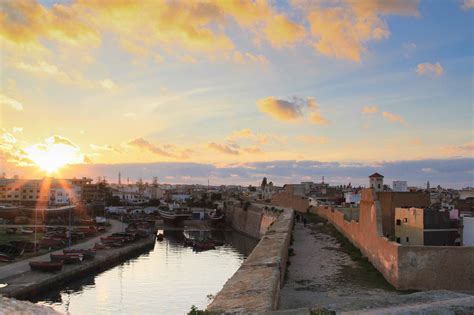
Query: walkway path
[325, 274]
[23, 265]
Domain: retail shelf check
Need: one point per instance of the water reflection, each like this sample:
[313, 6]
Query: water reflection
[166, 280]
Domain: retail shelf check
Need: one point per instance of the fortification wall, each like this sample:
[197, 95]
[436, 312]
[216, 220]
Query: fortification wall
[255, 286]
[405, 267]
[288, 200]
[436, 267]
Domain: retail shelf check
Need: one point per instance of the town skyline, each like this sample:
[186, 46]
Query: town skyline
[232, 91]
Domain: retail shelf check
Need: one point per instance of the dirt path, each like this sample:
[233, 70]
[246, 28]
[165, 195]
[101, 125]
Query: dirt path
[327, 271]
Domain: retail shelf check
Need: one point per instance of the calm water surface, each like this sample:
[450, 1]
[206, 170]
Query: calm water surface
[166, 280]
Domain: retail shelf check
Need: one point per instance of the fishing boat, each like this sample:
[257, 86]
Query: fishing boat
[99, 246]
[5, 257]
[174, 215]
[47, 266]
[87, 254]
[216, 217]
[67, 258]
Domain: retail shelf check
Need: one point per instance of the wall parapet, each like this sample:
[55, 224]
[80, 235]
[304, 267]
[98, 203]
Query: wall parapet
[255, 286]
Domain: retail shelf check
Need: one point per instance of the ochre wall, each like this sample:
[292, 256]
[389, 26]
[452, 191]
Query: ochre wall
[287, 199]
[405, 267]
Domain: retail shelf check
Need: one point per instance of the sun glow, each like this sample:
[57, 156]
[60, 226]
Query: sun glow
[54, 155]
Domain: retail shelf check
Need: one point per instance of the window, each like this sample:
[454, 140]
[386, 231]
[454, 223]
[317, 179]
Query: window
[378, 185]
[398, 240]
[405, 220]
[408, 239]
[399, 222]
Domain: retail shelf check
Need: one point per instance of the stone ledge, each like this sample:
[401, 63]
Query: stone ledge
[12, 306]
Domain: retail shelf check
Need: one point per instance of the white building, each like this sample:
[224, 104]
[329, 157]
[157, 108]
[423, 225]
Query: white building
[399, 186]
[352, 197]
[468, 231]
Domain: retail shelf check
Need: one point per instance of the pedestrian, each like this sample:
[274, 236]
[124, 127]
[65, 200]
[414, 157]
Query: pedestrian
[304, 221]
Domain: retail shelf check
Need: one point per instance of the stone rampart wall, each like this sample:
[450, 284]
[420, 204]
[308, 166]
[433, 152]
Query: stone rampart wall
[255, 286]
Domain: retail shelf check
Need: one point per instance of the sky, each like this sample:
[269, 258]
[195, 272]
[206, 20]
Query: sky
[236, 90]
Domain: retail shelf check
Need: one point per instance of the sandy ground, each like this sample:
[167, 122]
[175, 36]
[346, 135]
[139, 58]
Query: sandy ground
[325, 274]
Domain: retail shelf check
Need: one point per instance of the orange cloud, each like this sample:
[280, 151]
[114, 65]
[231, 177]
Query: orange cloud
[342, 29]
[369, 109]
[315, 116]
[466, 149]
[280, 109]
[167, 151]
[393, 117]
[280, 31]
[429, 68]
[222, 148]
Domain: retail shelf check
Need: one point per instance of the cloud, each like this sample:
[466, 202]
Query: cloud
[393, 117]
[242, 58]
[369, 109]
[221, 148]
[466, 149]
[280, 109]
[108, 84]
[248, 134]
[429, 68]
[42, 68]
[253, 150]
[315, 116]
[292, 110]
[8, 138]
[468, 4]
[342, 28]
[105, 147]
[57, 139]
[10, 102]
[280, 31]
[310, 139]
[17, 129]
[453, 173]
[143, 144]
[429, 170]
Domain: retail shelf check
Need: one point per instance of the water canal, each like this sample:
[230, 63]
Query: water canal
[166, 280]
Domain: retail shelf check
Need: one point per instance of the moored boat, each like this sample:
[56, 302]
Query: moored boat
[160, 237]
[5, 257]
[87, 254]
[27, 231]
[67, 258]
[175, 215]
[47, 266]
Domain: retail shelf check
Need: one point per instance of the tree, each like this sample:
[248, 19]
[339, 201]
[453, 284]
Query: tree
[264, 182]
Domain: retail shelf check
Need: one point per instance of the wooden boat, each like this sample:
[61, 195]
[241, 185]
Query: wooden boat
[99, 246]
[201, 246]
[160, 237]
[5, 257]
[11, 250]
[12, 230]
[87, 254]
[47, 266]
[27, 231]
[67, 259]
[175, 216]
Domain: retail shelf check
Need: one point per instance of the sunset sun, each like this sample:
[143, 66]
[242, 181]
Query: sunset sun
[54, 154]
